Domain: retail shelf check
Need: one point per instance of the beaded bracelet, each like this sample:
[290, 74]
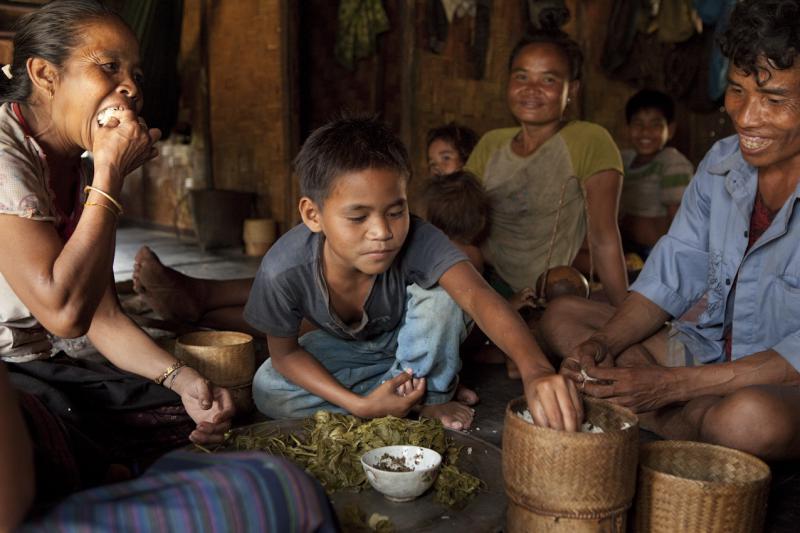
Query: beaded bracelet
[110, 209]
[108, 196]
[170, 369]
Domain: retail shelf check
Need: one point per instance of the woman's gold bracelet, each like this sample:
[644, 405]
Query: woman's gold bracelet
[171, 381]
[108, 196]
[110, 209]
[170, 369]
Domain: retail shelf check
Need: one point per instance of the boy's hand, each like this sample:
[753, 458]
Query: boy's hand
[385, 400]
[553, 401]
[408, 387]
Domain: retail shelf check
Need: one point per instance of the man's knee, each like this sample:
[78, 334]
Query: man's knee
[753, 420]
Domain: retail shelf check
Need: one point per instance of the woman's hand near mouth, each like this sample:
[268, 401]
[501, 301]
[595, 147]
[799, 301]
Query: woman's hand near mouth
[122, 145]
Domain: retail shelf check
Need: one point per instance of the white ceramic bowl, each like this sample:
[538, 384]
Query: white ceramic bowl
[422, 465]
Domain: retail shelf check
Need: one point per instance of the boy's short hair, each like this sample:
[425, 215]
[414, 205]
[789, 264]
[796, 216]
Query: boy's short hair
[461, 137]
[458, 205]
[650, 99]
[347, 144]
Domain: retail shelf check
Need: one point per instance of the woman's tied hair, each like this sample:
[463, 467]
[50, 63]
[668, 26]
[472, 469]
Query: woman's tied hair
[51, 33]
[548, 30]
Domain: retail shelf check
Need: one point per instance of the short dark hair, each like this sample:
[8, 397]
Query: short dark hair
[762, 29]
[650, 99]
[348, 144]
[556, 37]
[51, 33]
[461, 137]
[458, 205]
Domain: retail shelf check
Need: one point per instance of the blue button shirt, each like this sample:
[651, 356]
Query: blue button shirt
[704, 252]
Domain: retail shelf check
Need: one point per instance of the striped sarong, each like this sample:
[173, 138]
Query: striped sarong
[184, 491]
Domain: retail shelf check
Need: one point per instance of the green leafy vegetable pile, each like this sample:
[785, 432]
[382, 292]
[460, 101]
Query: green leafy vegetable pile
[332, 445]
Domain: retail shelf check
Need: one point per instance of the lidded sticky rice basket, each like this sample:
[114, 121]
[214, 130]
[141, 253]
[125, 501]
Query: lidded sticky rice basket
[570, 482]
[697, 487]
[258, 235]
[227, 358]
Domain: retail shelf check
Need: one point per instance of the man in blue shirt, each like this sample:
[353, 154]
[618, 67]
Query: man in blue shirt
[736, 242]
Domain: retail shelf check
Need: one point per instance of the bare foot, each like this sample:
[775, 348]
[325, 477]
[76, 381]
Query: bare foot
[466, 396]
[168, 292]
[452, 415]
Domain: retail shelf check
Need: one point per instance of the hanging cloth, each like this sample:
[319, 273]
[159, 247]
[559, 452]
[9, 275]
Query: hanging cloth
[716, 13]
[459, 8]
[676, 21]
[360, 23]
[437, 23]
[480, 40]
[621, 34]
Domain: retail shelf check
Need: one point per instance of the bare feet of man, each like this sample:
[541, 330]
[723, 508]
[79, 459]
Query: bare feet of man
[168, 292]
[452, 415]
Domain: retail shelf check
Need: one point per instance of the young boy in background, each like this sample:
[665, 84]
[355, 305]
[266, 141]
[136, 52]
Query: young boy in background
[655, 175]
[449, 147]
[333, 296]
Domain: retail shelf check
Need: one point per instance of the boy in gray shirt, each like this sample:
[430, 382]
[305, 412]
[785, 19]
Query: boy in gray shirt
[343, 298]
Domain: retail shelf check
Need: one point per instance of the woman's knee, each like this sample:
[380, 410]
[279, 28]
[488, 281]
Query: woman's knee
[753, 420]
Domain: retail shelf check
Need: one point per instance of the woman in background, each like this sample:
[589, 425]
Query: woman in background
[548, 169]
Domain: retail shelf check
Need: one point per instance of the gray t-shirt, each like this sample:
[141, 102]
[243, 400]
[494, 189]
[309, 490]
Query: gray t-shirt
[289, 285]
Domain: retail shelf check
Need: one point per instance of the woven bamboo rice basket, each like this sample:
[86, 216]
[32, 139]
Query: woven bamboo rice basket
[226, 358]
[258, 235]
[579, 476]
[696, 487]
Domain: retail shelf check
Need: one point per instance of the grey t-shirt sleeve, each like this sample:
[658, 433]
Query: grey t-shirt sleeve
[272, 306]
[429, 254]
[275, 305]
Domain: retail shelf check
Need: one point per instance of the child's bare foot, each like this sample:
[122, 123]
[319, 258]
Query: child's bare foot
[452, 415]
[466, 396]
[168, 292]
[511, 369]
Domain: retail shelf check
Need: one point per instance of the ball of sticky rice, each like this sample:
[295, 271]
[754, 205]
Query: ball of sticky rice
[106, 114]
